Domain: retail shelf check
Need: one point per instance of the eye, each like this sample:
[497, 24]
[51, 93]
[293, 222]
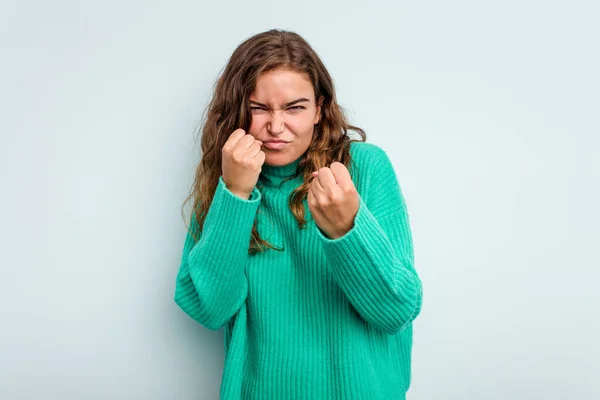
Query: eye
[297, 108]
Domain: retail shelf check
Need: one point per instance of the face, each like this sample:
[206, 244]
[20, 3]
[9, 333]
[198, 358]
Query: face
[283, 108]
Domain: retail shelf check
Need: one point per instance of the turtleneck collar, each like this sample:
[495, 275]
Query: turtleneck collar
[274, 175]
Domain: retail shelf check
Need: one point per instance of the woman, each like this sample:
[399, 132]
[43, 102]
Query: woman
[299, 244]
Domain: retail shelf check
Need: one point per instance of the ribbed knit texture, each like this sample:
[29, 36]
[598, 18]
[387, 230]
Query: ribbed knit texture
[323, 319]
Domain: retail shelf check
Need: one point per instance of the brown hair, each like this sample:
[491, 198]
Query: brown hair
[229, 109]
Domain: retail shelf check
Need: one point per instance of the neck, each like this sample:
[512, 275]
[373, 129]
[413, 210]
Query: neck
[273, 175]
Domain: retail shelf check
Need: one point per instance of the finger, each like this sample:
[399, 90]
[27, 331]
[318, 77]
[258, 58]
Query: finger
[260, 158]
[341, 175]
[326, 179]
[234, 138]
[247, 146]
[246, 142]
[320, 193]
[316, 184]
[311, 195]
[255, 149]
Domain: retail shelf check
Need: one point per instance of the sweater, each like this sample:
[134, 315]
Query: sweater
[325, 318]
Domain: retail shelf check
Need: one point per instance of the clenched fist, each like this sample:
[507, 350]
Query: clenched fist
[242, 163]
[333, 200]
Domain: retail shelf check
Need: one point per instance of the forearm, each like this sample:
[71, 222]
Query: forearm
[373, 265]
[211, 284]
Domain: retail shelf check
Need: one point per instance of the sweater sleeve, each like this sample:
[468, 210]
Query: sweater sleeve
[211, 284]
[373, 262]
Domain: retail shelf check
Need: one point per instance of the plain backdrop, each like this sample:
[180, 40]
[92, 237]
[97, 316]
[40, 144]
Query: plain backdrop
[489, 111]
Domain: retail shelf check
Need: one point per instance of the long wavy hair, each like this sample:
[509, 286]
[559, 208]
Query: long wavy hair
[229, 109]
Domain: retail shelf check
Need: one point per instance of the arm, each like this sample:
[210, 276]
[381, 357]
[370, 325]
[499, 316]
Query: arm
[373, 262]
[211, 284]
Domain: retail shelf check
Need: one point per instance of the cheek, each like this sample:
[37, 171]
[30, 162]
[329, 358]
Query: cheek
[301, 125]
[256, 124]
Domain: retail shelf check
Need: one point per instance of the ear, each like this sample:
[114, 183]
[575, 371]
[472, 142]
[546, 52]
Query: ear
[319, 106]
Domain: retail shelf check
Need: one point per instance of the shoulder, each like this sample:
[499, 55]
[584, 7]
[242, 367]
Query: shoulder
[368, 158]
[370, 168]
[375, 178]
[365, 150]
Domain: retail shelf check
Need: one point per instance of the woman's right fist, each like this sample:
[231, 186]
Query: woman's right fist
[242, 163]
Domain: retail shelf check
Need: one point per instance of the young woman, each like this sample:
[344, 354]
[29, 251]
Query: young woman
[299, 243]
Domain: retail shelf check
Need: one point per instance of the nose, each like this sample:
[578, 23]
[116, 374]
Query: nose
[276, 122]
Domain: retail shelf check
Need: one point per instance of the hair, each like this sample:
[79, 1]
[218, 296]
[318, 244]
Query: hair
[229, 109]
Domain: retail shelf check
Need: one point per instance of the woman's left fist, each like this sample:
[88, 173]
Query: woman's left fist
[333, 200]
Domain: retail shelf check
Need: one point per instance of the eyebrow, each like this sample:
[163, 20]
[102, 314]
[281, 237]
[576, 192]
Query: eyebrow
[291, 103]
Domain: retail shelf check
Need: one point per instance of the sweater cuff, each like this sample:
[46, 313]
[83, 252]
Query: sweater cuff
[230, 214]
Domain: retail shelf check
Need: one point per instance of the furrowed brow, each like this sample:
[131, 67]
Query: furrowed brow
[291, 103]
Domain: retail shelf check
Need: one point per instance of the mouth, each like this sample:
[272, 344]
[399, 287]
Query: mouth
[275, 145]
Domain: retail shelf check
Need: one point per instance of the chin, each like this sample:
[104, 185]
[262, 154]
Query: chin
[279, 162]
[275, 163]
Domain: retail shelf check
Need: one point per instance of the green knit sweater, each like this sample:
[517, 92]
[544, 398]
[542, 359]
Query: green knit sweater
[323, 319]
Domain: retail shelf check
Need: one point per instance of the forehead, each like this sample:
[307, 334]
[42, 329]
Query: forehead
[281, 85]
